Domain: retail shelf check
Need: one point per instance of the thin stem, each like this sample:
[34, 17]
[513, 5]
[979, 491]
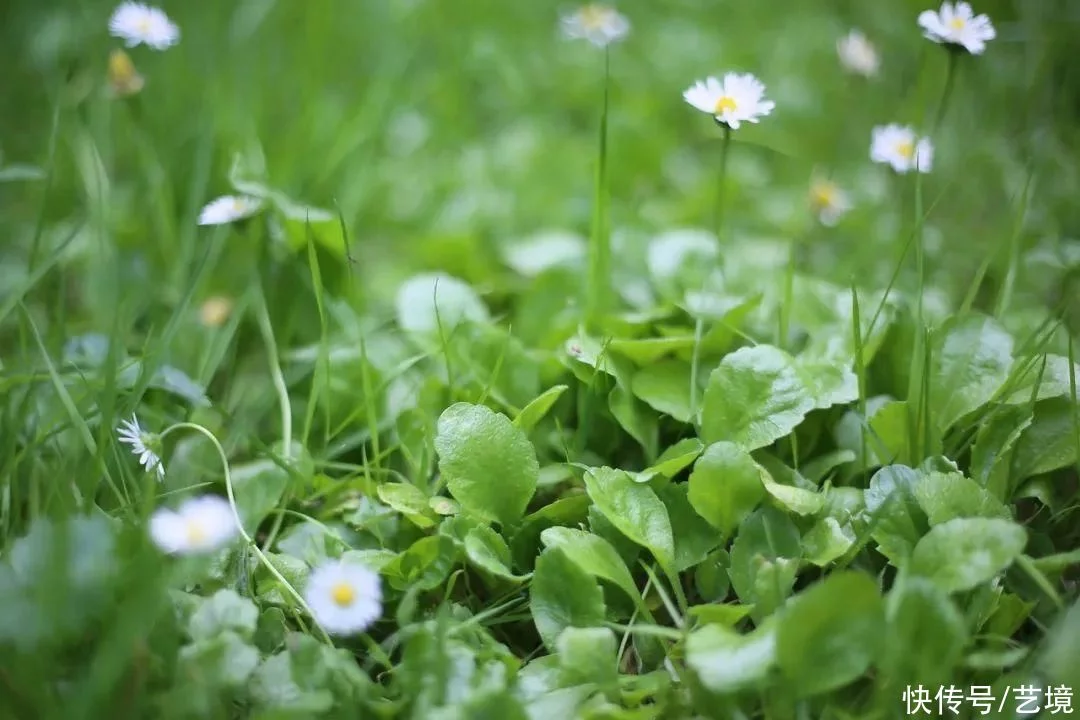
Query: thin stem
[280, 387]
[240, 525]
[718, 217]
[950, 82]
[600, 241]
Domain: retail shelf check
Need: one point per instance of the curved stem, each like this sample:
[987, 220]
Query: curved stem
[278, 378]
[240, 525]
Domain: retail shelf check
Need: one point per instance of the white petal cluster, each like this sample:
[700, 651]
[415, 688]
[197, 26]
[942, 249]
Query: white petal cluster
[733, 100]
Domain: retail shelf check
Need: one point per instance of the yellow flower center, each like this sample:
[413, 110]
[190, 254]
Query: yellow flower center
[594, 17]
[957, 23]
[906, 149]
[196, 533]
[342, 594]
[725, 103]
[823, 194]
[143, 25]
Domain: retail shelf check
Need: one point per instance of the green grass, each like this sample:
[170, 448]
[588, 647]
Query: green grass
[791, 476]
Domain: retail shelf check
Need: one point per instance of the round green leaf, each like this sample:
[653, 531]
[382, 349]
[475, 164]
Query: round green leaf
[965, 552]
[634, 509]
[754, 398]
[726, 485]
[489, 465]
[725, 661]
[830, 634]
[563, 595]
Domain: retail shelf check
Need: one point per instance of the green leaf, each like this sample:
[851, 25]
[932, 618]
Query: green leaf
[1059, 660]
[486, 549]
[963, 553]
[971, 360]
[926, 634]
[764, 559]
[829, 380]
[1053, 379]
[829, 635]
[588, 655]
[594, 555]
[726, 485]
[430, 301]
[563, 595]
[665, 386]
[489, 466]
[1049, 443]
[695, 538]
[408, 500]
[535, 411]
[221, 660]
[425, 564]
[304, 223]
[635, 418]
[725, 661]
[827, 541]
[634, 510]
[675, 459]
[570, 510]
[726, 615]
[223, 611]
[797, 500]
[258, 487]
[944, 496]
[992, 452]
[901, 522]
[754, 397]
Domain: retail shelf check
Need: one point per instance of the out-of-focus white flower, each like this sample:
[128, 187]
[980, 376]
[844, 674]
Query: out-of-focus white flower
[229, 208]
[199, 525]
[545, 250]
[599, 24]
[670, 250]
[215, 311]
[900, 147]
[828, 201]
[345, 598]
[137, 23]
[956, 24]
[738, 98]
[858, 54]
[143, 444]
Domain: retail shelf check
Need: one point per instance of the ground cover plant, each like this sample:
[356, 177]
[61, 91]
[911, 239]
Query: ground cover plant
[528, 361]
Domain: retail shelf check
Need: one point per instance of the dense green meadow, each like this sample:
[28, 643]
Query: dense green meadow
[513, 385]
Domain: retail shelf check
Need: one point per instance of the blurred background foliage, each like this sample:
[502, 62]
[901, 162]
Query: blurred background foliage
[441, 133]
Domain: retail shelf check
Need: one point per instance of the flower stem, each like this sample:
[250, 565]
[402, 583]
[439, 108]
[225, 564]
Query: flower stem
[946, 93]
[718, 214]
[240, 525]
[600, 242]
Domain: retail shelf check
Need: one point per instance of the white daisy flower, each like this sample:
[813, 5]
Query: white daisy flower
[858, 54]
[735, 99]
[898, 146]
[143, 444]
[829, 201]
[229, 208]
[345, 598]
[599, 24]
[957, 24]
[137, 23]
[199, 525]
